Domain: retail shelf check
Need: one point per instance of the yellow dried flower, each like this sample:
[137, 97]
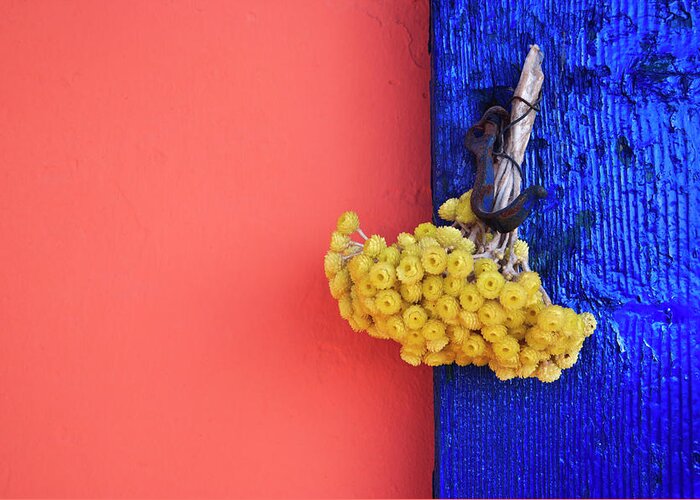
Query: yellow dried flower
[448, 210]
[566, 360]
[470, 299]
[447, 307]
[359, 266]
[518, 332]
[437, 359]
[460, 263]
[395, 328]
[411, 354]
[548, 372]
[589, 323]
[405, 239]
[491, 313]
[530, 280]
[494, 333]
[490, 283]
[520, 249]
[474, 346]
[339, 241]
[448, 236]
[415, 317]
[464, 212]
[388, 302]
[484, 265]
[345, 307]
[377, 333]
[503, 373]
[433, 329]
[514, 318]
[551, 318]
[365, 288]
[340, 283]
[411, 250]
[429, 306]
[434, 260]
[390, 254]
[427, 242]
[409, 270]
[538, 339]
[470, 320]
[526, 371]
[462, 359]
[369, 305]
[411, 293]
[348, 223]
[424, 229]
[432, 287]
[467, 245]
[529, 356]
[374, 245]
[457, 334]
[437, 345]
[452, 285]
[505, 349]
[332, 263]
[513, 295]
[532, 312]
[362, 321]
[382, 275]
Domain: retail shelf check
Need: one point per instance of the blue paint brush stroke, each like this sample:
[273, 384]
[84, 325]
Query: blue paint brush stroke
[617, 145]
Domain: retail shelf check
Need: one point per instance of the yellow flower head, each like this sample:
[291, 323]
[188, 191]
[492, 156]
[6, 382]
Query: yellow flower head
[411, 354]
[332, 263]
[405, 239]
[548, 372]
[411, 250]
[529, 356]
[448, 210]
[429, 306]
[530, 280]
[369, 305]
[395, 327]
[539, 339]
[433, 329]
[514, 318]
[491, 313]
[427, 242]
[448, 236]
[414, 338]
[551, 318]
[432, 287]
[391, 254]
[359, 266]
[437, 345]
[434, 260]
[474, 345]
[483, 265]
[526, 371]
[409, 270]
[382, 275]
[374, 246]
[504, 373]
[414, 317]
[494, 333]
[345, 307]
[467, 245]
[362, 321]
[518, 332]
[411, 293]
[464, 212]
[365, 288]
[452, 285]
[460, 263]
[457, 334]
[388, 302]
[339, 241]
[348, 223]
[470, 320]
[438, 358]
[589, 323]
[566, 360]
[470, 298]
[490, 283]
[340, 283]
[532, 312]
[462, 359]
[520, 249]
[424, 229]
[512, 296]
[447, 307]
[506, 349]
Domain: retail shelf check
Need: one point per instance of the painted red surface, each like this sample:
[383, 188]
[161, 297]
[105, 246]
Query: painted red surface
[170, 174]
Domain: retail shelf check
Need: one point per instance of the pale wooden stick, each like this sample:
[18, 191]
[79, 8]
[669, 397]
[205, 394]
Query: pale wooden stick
[508, 182]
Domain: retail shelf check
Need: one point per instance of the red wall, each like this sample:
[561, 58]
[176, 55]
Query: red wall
[170, 175]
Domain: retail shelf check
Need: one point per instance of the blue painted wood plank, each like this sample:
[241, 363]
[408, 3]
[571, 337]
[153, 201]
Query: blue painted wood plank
[617, 145]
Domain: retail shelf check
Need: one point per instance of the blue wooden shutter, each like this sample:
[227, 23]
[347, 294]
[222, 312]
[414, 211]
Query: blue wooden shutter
[617, 145]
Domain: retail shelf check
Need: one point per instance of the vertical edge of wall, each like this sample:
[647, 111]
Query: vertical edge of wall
[617, 146]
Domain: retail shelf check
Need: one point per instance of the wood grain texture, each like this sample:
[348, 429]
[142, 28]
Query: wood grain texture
[617, 146]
